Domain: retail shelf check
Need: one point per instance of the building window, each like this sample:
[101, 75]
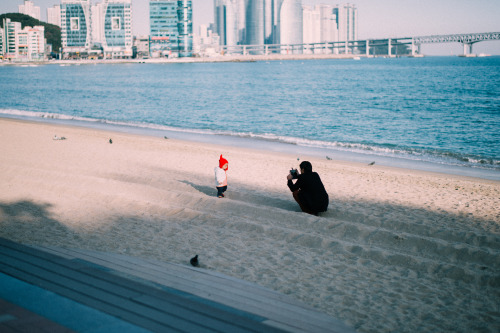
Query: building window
[75, 24]
[115, 23]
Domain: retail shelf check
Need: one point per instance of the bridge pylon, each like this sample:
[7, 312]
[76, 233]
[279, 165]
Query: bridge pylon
[468, 48]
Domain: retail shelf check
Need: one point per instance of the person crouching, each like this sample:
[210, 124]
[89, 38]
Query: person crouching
[308, 190]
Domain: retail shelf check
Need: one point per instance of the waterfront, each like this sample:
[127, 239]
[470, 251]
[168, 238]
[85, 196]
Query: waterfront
[397, 250]
[443, 111]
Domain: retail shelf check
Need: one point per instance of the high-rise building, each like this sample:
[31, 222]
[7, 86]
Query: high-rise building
[291, 24]
[18, 44]
[347, 19]
[104, 29]
[311, 25]
[112, 28]
[268, 21]
[325, 23]
[8, 47]
[220, 20]
[329, 31]
[271, 21]
[32, 43]
[2, 38]
[171, 27]
[97, 13]
[54, 15]
[164, 32]
[76, 27]
[226, 21]
[261, 22]
[250, 22]
[255, 22]
[185, 27]
[29, 8]
[241, 21]
[320, 24]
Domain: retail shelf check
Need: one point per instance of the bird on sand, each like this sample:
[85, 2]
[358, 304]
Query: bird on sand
[372, 163]
[110, 141]
[194, 261]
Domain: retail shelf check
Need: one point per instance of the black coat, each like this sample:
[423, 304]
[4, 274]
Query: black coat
[312, 191]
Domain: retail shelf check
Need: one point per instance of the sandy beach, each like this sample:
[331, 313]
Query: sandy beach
[398, 250]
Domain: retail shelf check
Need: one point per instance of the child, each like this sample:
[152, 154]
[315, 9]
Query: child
[221, 177]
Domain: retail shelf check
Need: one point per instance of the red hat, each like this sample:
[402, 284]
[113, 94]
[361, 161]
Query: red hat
[223, 161]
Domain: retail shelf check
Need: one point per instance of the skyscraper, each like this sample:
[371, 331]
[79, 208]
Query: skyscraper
[185, 27]
[171, 27]
[271, 21]
[261, 22]
[335, 24]
[291, 24]
[250, 22]
[163, 27]
[76, 28]
[241, 21]
[268, 21]
[226, 20]
[329, 31]
[347, 19]
[255, 22]
[311, 25]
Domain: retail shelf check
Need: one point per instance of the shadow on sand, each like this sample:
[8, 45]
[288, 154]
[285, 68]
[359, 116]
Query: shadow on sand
[248, 196]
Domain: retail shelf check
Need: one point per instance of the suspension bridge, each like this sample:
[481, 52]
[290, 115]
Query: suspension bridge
[366, 46]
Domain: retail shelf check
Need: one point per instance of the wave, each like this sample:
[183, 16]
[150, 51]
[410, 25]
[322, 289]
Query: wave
[419, 154]
[438, 156]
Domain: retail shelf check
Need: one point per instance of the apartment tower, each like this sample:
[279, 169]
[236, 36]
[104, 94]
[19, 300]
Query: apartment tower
[76, 27]
[112, 28]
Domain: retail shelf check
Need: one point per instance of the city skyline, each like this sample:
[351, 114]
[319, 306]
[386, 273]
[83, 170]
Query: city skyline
[383, 19]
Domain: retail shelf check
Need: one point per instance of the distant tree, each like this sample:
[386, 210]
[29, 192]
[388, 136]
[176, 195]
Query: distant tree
[52, 32]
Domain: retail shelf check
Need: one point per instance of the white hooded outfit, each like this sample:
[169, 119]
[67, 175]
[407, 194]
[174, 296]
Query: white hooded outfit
[220, 177]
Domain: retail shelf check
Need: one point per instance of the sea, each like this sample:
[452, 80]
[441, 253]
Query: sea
[434, 113]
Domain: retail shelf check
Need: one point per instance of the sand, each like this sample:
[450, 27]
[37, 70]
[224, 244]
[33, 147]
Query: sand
[398, 250]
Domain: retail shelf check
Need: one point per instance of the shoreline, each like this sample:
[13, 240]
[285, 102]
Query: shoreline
[274, 146]
[393, 247]
[218, 58]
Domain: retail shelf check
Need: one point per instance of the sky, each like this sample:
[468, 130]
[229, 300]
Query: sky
[376, 19]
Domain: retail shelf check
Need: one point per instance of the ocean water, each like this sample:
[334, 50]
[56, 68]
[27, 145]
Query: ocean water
[441, 111]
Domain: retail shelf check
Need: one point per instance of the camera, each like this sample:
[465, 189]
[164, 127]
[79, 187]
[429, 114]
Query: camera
[294, 173]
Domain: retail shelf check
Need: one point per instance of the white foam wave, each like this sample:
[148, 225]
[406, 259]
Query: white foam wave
[433, 156]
